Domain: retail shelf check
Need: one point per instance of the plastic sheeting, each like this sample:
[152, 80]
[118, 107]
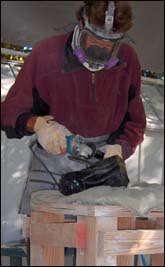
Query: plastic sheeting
[137, 197]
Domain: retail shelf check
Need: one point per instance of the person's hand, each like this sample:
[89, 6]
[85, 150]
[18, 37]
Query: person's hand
[51, 134]
[113, 150]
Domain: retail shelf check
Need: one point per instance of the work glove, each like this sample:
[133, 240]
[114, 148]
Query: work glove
[113, 150]
[51, 134]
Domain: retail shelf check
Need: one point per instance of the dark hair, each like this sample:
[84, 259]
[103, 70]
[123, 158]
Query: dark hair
[95, 10]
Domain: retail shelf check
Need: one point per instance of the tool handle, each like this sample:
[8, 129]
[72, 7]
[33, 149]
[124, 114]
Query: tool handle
[95, 153]
[69, 140]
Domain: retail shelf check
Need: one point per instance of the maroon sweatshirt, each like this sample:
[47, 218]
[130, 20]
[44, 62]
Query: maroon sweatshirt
[52, 81]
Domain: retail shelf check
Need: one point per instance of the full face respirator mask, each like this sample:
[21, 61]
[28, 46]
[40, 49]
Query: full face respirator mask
[97, 47]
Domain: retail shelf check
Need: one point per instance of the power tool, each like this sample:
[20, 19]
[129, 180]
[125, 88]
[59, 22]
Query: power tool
[77, 147]
[109, 172]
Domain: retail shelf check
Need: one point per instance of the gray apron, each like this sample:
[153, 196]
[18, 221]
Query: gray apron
[47, 168]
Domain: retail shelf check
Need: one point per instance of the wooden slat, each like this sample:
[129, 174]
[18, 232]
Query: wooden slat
[58, 234]
[105, 224]
[126, 223]
[149, 224]
[93, 254]
[26, 227]
[158, 259]
[87, 257]
[46, 255]
[134, 242]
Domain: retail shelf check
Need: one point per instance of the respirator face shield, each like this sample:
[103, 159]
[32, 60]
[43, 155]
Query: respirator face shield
[96, 51]
[97, 47]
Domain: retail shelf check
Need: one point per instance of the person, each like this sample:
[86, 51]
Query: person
[86, 82]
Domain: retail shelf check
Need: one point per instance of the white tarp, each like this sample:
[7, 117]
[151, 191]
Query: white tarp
[140, 198]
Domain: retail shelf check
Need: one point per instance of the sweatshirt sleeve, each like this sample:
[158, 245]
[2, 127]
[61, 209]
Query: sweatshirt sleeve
[134, 126]
[17, 106]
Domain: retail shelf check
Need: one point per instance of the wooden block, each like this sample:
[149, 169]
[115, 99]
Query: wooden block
[126, 223]
[92, 255]
[26, 227]
[46, 217]
[105, 224]
[158, 259]
[58, 234]
[133, 242]
[80, 241]
[150, 223]
[156, 223]
[46, 255]
[87, 257]
[37, 255]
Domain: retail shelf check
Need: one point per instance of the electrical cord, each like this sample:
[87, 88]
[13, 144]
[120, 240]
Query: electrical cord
[45, 172]
[143, 259]
[41, 181]
[43, 164]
